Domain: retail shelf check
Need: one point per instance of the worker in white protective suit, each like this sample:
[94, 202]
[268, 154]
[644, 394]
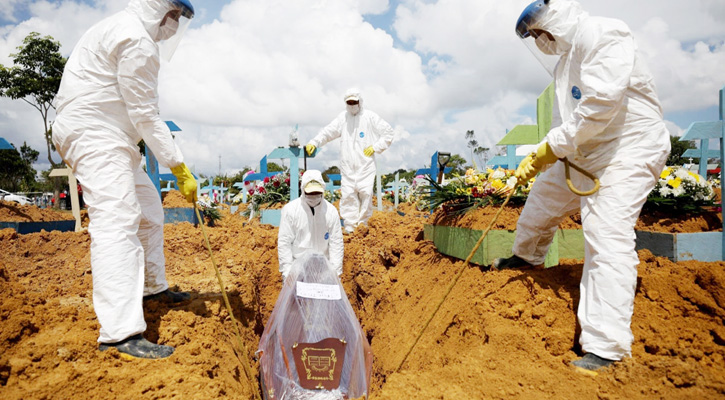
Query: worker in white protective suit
[310, 223]
[363, 134]
[607, 119]
[107, 104]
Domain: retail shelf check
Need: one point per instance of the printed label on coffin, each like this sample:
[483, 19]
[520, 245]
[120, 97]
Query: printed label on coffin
[319, 365]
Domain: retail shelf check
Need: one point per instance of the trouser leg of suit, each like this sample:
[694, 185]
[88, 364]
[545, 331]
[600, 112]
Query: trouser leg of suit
[109, 176]
[609, 277]
[365, 194]
[548, 203]
[349, 203]
[151, 234]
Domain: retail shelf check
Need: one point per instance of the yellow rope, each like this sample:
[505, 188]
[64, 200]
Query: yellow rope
[574, 190]
[458, 275]
[245, 356]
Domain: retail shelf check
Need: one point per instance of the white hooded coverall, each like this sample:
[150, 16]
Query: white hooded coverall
[608, 120]
[107, 103]
[301, 231]
[357, 171]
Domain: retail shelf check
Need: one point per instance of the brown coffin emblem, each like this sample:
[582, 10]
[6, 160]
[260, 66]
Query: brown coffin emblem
[319, 365]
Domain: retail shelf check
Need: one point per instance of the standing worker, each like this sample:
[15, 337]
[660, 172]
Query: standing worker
[363, 134]
[607, 119]
[310, 223]
[107, 104]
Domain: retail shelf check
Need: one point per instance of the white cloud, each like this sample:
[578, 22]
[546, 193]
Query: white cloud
[247, 72]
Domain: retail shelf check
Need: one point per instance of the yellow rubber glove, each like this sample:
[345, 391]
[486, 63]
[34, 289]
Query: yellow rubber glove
[532, 164]
[186, 182]
[369, 151]
[310, 148]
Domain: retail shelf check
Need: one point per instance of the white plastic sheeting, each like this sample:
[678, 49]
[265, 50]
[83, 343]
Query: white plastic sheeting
[311, 307]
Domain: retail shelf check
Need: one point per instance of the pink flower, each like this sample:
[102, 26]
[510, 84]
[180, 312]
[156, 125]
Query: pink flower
[275, 183]
[286, 181]
[261, 190]
[266, 179]
[246, 183]
[251, 191]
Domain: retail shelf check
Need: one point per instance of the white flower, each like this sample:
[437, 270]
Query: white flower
[498, 174]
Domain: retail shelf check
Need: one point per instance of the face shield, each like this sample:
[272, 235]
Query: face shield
[173, 26]
[540, 42]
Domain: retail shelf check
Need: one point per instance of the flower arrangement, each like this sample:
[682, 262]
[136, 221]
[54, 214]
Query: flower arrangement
[476, 189]
[681, 191]
[270, 191]
[333, 195]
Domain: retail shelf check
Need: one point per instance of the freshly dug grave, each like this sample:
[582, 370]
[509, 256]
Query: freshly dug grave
[499, 335]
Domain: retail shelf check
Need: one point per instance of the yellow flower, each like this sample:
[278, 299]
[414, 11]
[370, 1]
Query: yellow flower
[497, 184]
[468, 191]
[695, 176]
[665, 173]
[675, 183]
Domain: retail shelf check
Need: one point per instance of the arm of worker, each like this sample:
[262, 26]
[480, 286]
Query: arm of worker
[332, 131]
[285, 238]
[605, 76]
[138, 69]
[336, 246]
[384, 133]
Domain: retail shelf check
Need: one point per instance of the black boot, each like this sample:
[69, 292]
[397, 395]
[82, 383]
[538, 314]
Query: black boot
[508, 263]
[167, 296]
[592, 362]
[138, 347]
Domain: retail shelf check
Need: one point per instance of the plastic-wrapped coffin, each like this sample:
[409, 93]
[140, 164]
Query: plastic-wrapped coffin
[313, 346]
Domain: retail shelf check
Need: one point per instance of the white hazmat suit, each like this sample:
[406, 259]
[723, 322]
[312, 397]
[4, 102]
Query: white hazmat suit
[358, 129]
[107, 103]
[300, 230]
[608, 120]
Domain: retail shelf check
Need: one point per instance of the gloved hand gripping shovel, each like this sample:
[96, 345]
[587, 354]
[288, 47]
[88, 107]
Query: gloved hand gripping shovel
[567, 165]
[244, 354]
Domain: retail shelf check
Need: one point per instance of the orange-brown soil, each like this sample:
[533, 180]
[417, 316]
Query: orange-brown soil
[498, 335]
[14, 212]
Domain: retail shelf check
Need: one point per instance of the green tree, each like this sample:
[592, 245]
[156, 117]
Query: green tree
[16, 169]
[678, 148]
[35, 78]
[457, 164]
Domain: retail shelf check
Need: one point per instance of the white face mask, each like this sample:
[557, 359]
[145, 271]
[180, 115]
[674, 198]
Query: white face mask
[353, 109]
[313, 200]
[168, 29]
[546, 45]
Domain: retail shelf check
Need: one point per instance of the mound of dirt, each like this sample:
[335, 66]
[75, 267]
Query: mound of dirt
[708, 221]
[498, 335]
[14, 212]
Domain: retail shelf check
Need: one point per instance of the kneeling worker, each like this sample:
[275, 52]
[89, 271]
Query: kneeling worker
[310, 223]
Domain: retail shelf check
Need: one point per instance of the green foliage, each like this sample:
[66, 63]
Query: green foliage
[678, 148]
[35, 77]
[457, 165]
[16, 169]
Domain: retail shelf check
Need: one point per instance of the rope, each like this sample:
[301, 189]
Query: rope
[574, 190]
[245, 364]
[458, 275]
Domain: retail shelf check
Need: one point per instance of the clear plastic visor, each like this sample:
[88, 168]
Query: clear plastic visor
[167, 47]
[548, 61]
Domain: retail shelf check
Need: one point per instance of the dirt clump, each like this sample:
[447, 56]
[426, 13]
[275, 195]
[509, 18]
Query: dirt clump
[498, 335]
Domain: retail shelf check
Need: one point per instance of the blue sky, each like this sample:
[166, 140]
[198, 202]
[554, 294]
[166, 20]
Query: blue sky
[242, 79]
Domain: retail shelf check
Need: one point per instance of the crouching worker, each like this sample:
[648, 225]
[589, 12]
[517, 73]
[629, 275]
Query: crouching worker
[313, 345]
[310, 223]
